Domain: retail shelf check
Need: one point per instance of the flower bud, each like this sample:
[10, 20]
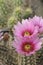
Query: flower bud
[6, 36]
[27, 13]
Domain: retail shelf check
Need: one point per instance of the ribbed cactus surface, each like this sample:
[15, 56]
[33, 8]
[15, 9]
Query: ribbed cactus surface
[12, 11]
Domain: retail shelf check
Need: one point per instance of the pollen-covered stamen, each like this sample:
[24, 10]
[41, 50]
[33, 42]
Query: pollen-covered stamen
[26, 34]
[27, 47]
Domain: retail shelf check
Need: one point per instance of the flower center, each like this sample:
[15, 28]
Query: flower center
[27, 47]
[26, 34]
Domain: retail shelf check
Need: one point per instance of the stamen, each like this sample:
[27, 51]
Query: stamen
[27, 47]
[26, 34]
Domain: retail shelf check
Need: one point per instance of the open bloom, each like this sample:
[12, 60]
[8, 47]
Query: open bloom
[27, 47]
[25, 29]
[38, 21]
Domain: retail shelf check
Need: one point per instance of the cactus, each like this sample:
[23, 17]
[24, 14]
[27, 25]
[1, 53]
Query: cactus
[12, 11]
[27, 13]
[11, 21]
[18, 12]
[6, 9]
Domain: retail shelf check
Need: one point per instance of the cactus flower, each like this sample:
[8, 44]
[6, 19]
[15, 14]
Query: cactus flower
[38, 21]
[27, 47]
[25, 29]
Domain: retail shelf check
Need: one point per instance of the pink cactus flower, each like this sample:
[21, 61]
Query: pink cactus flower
[38, 21]
[25, 29]
[27, 47]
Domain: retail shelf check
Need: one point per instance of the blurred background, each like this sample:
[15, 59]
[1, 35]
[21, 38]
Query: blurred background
[12, 11]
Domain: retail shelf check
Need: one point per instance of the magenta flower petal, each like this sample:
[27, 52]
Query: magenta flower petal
[38, 46]
[41, 30]
[38, 21]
